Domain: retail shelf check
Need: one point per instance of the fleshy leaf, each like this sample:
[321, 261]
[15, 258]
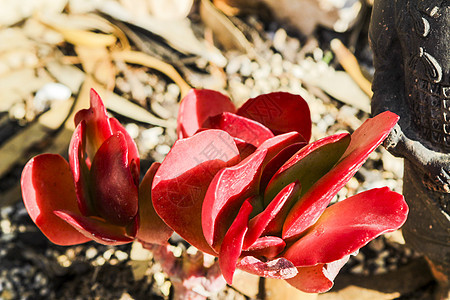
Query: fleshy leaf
[363, 141]
[114, 189]
[151, 228]
[245, 129]
[47, 185]
[94, 229]
[226, 193]
[272, 167]
[280, 112]
[199, 105]
[231, 247]
[181, 181]
[279, 268]
[318, 278]
[309, 164]
[80, 169]
[348, 225]
[258, 224]
[98, 128]
[133, 153]
[245, 149]
[266, 246]
[276, 144]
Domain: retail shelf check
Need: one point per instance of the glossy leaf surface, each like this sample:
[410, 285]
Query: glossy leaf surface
[309, 164]
[280, 112]
[245, 129]
[318, 278]
[348, 225]
[231, 247]
[225, 195]
[258, 224]
[266, 246]
[199, 105]
[80, 169]
[44, 192]
[279, 268]
[181, 182]
[98, 128]
[99, 231]
[113, 187]
[363, 141]
[151, 228]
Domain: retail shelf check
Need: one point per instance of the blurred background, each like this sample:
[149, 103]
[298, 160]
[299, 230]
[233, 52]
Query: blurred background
[142, 56]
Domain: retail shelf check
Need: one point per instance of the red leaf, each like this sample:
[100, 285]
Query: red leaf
[258, 224]
[363, 141]
[199, 105]
[114, 190]
[279, 268]
[280, 112]
[272, 167]
[349, 225]
[318, 278]
[133, 152]
[101, 232]
[308, 165]
[226, 193]
[279, 149]
[266, 246]
[245, 129]
[98, 128]
[181, 181]
[276, 144]
[231, 247]
[47, 185]
[151, 228]
[245, 149]
[80, 169]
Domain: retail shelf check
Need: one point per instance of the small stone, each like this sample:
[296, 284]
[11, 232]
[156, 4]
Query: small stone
[132, 129]
[162, 149]
[279, 40]
[358, 269]
[173, 89]
[165, 288]
[100, 261]
[246, 67]
[159, 278]
[91, 253]
[233, 66]
[5, 226]
[108, 253]
[150, 137]
[377, 245]
[121, 255]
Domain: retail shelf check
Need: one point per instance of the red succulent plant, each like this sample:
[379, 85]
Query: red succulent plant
[96, 196]
[247, 186]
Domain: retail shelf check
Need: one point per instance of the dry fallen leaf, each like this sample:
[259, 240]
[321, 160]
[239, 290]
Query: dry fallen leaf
[143, 59]
[228, 35]
[130, 110]
[178, 33]
[15, 149]
[19, 85]
[350, 64]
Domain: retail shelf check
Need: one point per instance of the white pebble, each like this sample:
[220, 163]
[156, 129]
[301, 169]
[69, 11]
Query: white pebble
[91, 253]
[108, 253]
[132, 129]
[162, 149]
[49, 93]
[121, 255]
